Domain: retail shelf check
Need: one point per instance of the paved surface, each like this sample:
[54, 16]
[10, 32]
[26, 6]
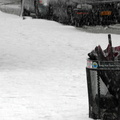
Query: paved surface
[111, 29]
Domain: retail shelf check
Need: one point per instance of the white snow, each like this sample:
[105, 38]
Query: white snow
[42, 69]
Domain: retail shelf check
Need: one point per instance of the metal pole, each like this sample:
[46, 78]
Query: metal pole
[22, 8]
[110, 43]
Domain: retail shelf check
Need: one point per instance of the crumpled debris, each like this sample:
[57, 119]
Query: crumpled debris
[109, 54]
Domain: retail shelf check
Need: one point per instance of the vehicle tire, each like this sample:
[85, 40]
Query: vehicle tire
[37, 12]
[26, 12]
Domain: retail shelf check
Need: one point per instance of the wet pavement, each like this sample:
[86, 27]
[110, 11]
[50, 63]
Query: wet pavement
[112, 29]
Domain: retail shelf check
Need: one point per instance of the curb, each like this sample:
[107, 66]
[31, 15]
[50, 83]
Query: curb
[116, 26]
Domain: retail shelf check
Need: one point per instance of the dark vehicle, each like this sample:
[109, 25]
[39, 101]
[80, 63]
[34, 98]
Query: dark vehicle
[63, 10]
[81, 15]
[76, 12]
[60, 9]
[57, 9]
[39, 7]
[97, 12]
[105, 12]
[80, 12]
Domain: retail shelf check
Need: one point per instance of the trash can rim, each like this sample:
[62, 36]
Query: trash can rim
[95, 64]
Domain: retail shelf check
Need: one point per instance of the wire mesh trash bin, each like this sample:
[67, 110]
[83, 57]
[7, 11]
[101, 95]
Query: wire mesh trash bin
[103, 82]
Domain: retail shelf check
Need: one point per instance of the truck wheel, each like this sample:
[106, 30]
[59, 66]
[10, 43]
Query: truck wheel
[37, 12]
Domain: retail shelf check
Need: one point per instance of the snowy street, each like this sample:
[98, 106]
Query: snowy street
[42, 69]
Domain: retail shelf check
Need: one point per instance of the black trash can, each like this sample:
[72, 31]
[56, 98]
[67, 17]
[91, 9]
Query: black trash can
[103, 82]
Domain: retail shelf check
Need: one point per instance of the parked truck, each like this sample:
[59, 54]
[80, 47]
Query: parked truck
[76, 12]
[99, 12]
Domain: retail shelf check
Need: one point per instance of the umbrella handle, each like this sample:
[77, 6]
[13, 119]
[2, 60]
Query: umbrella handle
[109, 40]
[110, 43]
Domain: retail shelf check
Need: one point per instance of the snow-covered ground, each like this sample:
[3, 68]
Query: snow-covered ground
[42, 69]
